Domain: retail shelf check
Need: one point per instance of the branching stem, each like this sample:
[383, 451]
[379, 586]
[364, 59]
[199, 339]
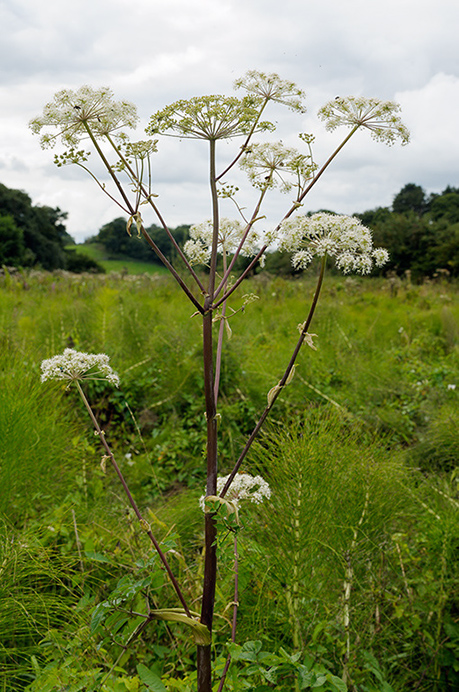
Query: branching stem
[132, 502]
[282, 382]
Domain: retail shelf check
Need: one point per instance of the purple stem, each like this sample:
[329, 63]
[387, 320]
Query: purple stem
[132, 502]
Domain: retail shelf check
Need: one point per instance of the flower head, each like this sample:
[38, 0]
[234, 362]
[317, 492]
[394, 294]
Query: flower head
[272, 164]
[270, 87]
[208, 117]
[343, 237]
[230, 234]
[73, 113]
[73, 365]
[243, 487]
[380, 117]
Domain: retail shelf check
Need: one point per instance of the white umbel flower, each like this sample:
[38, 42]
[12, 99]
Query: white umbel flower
[71, 113]
[271, 164]
[230, 233]
[344, 238]
[380, 117]
[74, 365]
[270, 87]
[243, 487]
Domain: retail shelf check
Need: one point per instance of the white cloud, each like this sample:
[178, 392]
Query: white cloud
[154, 52]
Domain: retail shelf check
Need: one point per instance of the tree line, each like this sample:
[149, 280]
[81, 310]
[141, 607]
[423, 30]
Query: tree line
[36, 236]
[420, 231]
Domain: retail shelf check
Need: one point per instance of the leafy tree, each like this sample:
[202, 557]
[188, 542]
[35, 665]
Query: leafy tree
[411, 198]
[420, 233]
[446, 206]
[42, 228]
[12, 248]
[35, 235]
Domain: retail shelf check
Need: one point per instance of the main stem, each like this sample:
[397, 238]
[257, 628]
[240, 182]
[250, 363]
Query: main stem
[204, 662]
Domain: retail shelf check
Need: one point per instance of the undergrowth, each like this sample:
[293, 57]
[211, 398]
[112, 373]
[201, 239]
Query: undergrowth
[364, 486]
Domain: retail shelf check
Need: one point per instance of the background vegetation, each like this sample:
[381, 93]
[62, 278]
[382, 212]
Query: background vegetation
[361, 456]
[420, 231]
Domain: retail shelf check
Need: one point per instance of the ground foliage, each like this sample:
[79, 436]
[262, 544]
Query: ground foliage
[361, 456]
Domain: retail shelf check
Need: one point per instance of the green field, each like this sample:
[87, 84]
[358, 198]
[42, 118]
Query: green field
[97, 252]
[351, 568]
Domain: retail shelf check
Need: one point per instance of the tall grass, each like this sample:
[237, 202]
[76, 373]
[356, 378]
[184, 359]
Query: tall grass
[35, 597]
[39, 455]
[355, 558]
[369, 539]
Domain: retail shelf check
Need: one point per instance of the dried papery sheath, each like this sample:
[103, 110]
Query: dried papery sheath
[76, 366]
[344, 238]
[243, 487]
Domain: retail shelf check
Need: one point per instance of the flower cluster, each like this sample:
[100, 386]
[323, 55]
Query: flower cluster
[380, 117]
[270, 87]
[243, 487]
[76, 113]
[230, 234]
[343, 237]
[268, 165]
[73, 365]
[208, 117]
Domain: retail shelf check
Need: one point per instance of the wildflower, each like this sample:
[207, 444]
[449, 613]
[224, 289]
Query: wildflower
[76, 366]
[230, 233]
[377, 116]
[208, 117]
[268, 165]
[243, 487]
[343, 237]
[75, 113]
[451, 386]
[271, 87]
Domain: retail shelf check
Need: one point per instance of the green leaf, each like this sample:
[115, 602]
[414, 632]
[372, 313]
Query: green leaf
[338, 684]
[150, 679]
[98, 557]
[100, 613]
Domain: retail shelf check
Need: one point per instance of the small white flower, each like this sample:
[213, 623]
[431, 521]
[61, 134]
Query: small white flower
[243, 487]
[451, 386]
[380, 256]
[302, 259]
[73, 365]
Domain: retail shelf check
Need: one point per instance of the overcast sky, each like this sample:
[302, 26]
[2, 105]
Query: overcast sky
[153, 52]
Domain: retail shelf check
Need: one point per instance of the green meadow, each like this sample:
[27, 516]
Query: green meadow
[352, 567]
[126, 265]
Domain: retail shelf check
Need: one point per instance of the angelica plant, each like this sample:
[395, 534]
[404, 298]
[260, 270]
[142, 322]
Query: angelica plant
[92, 117]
